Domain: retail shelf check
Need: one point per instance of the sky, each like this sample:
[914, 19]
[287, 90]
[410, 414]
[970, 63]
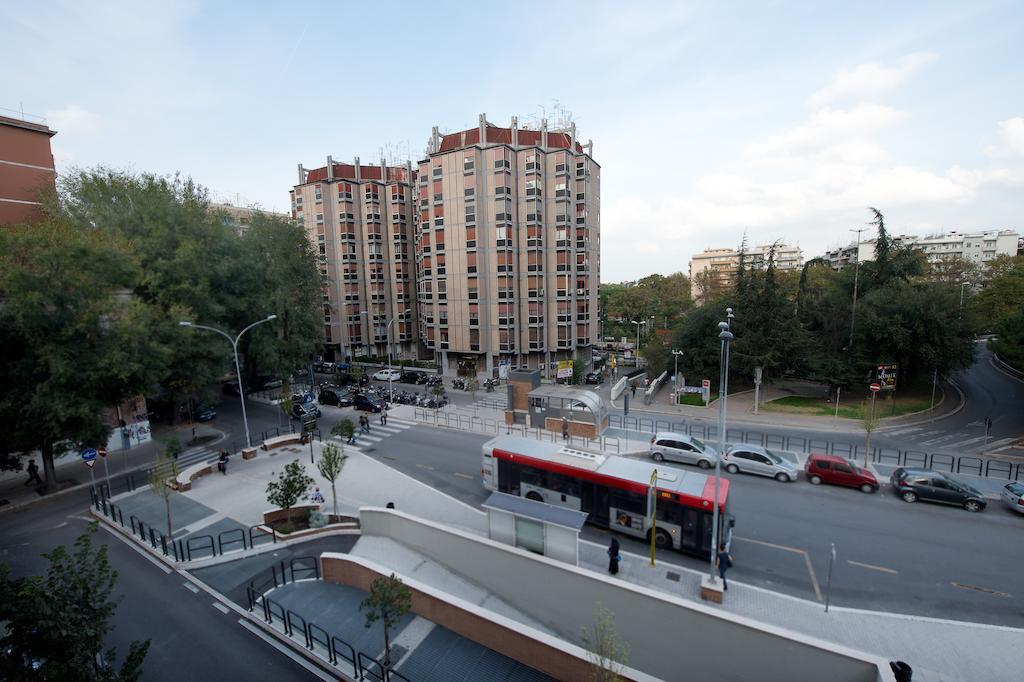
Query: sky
[712, 121]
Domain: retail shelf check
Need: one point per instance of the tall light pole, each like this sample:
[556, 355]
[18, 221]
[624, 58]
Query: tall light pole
[725, 336]
[856, 276]
[637, 323]
[391, 391]
[675, 375]
[238, 370]
[962, 285]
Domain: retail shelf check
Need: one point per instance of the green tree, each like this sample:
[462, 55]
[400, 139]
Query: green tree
[472, 385]
[869, 420]
[291, 484]
[285, 401]
[165, 469]
[389, 599]
[73, 339]
[56, 623]
[1009, 344]
[1001, 295]
[344, 428]
[437, 390]
[608, 653]
[332, 461]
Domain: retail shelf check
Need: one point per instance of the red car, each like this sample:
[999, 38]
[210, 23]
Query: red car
[838, 471]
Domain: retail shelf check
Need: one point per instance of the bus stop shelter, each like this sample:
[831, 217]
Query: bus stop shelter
[554, 407]
[536, 526]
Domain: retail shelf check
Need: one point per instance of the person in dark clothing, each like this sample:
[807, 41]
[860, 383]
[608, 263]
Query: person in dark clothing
[565, 428]
[632, 390]
[33, 473]
[724, 563]
[222, 462]
[613, 557]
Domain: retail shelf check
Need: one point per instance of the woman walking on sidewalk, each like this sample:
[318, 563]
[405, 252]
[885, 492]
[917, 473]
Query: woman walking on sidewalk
[613, 557]
[724, 563]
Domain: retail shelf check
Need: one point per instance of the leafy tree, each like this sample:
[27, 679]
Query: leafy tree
[1010, 342]
[332, 461]
[608, 653]
[389, 599]
[344, 428]
[73, 339]
[953, 271]
[437, 390]
[285, 401]
[1002, 293]
[870, 421]
[472, 385]
[56, 623]
[291, 484]
[165, 468]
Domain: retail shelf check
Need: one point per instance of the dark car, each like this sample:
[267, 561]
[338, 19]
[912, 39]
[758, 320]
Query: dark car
[367, 404]
[924, 484]
[268, 383]
[205, 413]
[594, 378]
[408, 377]
[305, 410]
[332, 395]
[838, 471]
[231, 388]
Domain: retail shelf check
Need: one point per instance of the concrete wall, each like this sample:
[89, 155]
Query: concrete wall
[669, 637]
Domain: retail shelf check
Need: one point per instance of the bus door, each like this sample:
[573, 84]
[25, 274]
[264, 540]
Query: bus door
[508, 477]
[594, 501]
[689, 535]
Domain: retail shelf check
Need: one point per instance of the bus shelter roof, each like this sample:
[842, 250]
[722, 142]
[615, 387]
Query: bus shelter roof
[592, 401]
[538, 511]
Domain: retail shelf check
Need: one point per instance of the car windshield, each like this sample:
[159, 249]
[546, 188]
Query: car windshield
[700, 445]
[1015, 488]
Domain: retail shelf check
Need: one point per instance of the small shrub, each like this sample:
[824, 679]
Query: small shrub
[317, 519]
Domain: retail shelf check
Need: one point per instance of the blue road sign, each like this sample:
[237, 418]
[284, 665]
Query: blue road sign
[89, 454]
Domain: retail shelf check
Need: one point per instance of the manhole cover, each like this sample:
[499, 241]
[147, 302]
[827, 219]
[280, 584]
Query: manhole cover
[673, 576]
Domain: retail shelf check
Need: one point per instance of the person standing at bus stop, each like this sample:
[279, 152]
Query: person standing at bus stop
[565, 428]
[613, 557]
[724, 562]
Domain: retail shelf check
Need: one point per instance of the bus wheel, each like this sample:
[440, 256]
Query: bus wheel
[662, 540]
[535, 496]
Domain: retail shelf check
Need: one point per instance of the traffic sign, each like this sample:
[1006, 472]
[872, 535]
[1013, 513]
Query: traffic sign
[89, 455]
[90, 463]
[102, 452]
[875, 388]
[705, 383]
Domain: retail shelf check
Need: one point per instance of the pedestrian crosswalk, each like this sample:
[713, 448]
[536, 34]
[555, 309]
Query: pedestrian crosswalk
[378, 431]
[968, 439]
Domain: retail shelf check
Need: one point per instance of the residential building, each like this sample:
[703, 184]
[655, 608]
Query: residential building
[978, 247]
[26, 168]
[240, 217]
[716, 269]
[360, 219]
[508, 247]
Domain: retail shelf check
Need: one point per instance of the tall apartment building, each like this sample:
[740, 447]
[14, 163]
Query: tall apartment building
[508, 247]
[240, 217]
[362, 221]
[979, 247]
[26, 168]
[719, 266]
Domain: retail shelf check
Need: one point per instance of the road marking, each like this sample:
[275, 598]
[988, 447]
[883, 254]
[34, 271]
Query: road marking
[131, 543]
[60, 525]
[220, 607]
[465, 476]
[424, 466]
[871, 566]
[784, 548]
[284, 650]
[986, 590]
[191, 588]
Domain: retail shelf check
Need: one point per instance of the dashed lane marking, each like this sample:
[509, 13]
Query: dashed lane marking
[986, 590]
[191, 588]
[871, 566]
[425, 466]
[220, 607]
[465, 476]
[784, 548]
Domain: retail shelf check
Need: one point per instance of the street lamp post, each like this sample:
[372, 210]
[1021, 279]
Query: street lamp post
[675, 370]
[725, 336]
[962, 285]
[238, 370]
[391, 391]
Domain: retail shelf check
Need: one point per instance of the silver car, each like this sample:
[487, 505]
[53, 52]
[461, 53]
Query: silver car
[754, 459]
[1013, 496]
[678, 447]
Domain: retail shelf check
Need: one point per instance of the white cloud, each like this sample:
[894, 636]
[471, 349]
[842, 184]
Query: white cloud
[871, 78]
[73, 119]
[1011, 138]
[837, 133]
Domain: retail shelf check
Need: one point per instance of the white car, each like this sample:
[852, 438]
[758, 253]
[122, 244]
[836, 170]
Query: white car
[1013, 496]
[678, 447]
[754, 459]
[386, 374]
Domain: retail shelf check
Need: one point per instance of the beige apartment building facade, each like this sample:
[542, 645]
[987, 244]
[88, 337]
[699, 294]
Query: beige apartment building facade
[508, 248]
[360, 219]
[717, 268]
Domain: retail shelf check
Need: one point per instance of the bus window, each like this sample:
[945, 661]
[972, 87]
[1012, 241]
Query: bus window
[629, 501]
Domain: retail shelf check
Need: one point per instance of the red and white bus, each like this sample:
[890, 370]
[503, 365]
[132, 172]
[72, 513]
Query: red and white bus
[615, 491]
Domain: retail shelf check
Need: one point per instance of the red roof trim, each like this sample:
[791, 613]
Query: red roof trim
[496, 135]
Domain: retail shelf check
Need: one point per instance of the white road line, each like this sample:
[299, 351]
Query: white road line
[191, 588]
[131, 543]
[900, 432]
[412, 636]
[372, 439]
[871, 566]
[220, 607]
[936, 441]
[969, 441]
[285, 650]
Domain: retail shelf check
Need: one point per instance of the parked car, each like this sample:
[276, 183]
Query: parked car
[1013, 495]
[754, 459]
[678, 447]
[269, 383]
[594, 378]
[924, 484]
[230, 388]
[409, 377]
[367, 404]
[838, 471]
[332, 395]
[305, 410]
[205, 413]
[386, 374]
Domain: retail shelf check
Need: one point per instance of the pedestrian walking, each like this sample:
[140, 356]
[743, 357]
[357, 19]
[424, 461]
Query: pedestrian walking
[317, 497]
[222, 462]
[724, 563]
[33, 473]
[614, 557]
[383, 417]
[632, 389]
[565, 428]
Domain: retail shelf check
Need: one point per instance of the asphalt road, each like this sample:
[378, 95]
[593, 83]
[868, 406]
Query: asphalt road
[190, 638]
[921, 559]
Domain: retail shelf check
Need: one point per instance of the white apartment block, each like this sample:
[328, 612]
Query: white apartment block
[978, 247]
[722, 264]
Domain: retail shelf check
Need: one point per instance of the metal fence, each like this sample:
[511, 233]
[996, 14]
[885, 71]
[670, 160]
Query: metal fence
[908, 457]
[466, 422]
[318, 640]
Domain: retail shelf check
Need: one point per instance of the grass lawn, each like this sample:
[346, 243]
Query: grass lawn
[907, 402]
[690, 399]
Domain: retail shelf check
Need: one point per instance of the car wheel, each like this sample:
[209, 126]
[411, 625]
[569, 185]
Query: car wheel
[867, 488]
[815, 479]
[658, 457]
[972, 506]
[782, 478]
[535, 496]
[732, 469]
[909, 496]
[704, 464]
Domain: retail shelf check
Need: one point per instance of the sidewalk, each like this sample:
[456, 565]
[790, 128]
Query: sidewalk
[960, 650]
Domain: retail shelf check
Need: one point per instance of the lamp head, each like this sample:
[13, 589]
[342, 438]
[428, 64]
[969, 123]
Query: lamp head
[184, 323]
[271, 317]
